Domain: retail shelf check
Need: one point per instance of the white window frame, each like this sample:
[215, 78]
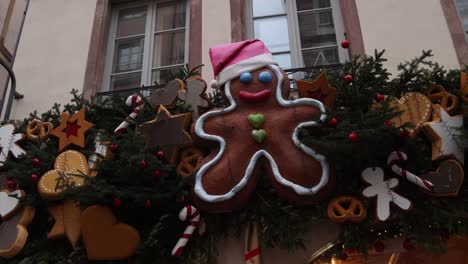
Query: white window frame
[294, 33]
[148, 51]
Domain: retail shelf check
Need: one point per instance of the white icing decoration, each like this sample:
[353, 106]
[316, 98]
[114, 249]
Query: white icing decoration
[8, 204]
[8, 143]
[299, 189]
[383, 190]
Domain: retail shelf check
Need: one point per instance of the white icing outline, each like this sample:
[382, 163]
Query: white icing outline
[299, 189]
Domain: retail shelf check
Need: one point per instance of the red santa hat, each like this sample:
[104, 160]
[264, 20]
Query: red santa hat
[231, 60]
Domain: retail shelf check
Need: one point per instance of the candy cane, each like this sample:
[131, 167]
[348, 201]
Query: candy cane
[131, 100]
[398, 156]
[194, 217]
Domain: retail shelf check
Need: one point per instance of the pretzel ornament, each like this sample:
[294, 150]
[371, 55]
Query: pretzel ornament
[346, 208]
[190, 158]
[438, 95]
[38, 130]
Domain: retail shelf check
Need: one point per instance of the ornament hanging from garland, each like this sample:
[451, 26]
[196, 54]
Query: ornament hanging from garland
[318, 89]
[131, 100]
[415, 110]
[66, 217]
[166, 95]
[396, 159]
[167, 132]
[447, 179]
[346, 209]
[187, 213]
[106, 239]
[38, 130]
[72, 129]
[445, 132]
[239, 147]
[193, 94]
[189, 160]
[9, 143]
[438, 95]
[383, 191]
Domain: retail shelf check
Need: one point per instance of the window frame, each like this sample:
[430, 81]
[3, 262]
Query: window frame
[148, 48]
[294, 32]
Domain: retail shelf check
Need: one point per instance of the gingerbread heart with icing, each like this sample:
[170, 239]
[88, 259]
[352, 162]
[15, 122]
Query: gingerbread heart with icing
[104, 237]
[415, 110]
[67, 166]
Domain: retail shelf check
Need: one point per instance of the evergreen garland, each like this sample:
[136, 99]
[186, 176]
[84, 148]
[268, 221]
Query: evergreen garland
[281, 224]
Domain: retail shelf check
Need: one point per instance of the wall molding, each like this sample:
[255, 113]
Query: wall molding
[456, 30]
[352, 26]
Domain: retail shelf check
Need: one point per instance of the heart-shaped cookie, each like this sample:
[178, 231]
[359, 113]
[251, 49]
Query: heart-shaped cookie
[14, 232]
[53, 182]
[447, 179]
[9, 205]
[258, 135]
[104, 238]
[256, 120]
[415, 110]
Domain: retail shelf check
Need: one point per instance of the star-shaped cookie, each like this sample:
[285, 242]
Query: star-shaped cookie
[168, 132]
[445, 132]
[318, 89]
[72, 129]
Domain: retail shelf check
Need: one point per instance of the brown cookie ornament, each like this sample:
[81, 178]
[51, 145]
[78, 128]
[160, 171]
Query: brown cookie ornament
[415, 110]
[346, 209]
[72, 129]
[438, 95]
[38, 130]
[259, 129]
[447, 179]
[106, 239]
[168, 132]
[318, 89]
[166, 95]
[193, 95]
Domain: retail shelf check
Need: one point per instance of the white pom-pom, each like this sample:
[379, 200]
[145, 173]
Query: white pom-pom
[215, 84]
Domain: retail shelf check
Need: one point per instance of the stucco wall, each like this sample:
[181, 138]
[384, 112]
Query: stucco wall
[216, 29]
[52, 53]
[404, 29]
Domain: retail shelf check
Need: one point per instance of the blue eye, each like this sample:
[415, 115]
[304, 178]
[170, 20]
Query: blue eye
[246, 77]
[265, 77]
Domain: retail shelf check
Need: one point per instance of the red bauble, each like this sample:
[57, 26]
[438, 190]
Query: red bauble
[142, 164]
[36, 161]
[348, 78]
[161, 154]
[148, 203]
[379, 97]
[11, 184]
[388, 123]
[345, 44]
[408, 244]
[34, 177]
[117, 202]
[379, 246]
[353, 136]
[156, 175]
[113, 147]
[182, 199]
[332, 122]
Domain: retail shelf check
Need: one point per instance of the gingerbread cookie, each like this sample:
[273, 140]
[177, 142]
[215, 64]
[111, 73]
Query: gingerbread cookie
[9, 203]
[38, 130]
[447, 179]
[438, 95]
[166, 95]
[415, 110]
[318, 89]
[9, 143]
[193, 95]
[346, 208]
[106, 239]
[72, 129]
[67, 166]
[259, 129]
[67, 221]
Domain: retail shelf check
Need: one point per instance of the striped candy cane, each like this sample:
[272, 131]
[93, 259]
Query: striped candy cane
[131, 100]
[194, 218]
[397, 156]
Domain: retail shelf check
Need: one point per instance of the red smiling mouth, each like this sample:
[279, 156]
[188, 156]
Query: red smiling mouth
[254, 97]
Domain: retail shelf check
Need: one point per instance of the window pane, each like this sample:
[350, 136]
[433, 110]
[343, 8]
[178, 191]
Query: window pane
[132, 21]
[126, 81]
[284, 60]
[128, 55]
[164, 76]
[170, 15]
[320, 56]
[274, 32]
[268, 7]
[169, 48]
[462, 6]
[317, 29]
[312, 4]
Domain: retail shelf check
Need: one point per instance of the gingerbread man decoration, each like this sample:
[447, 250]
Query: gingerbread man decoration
[258, 130]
